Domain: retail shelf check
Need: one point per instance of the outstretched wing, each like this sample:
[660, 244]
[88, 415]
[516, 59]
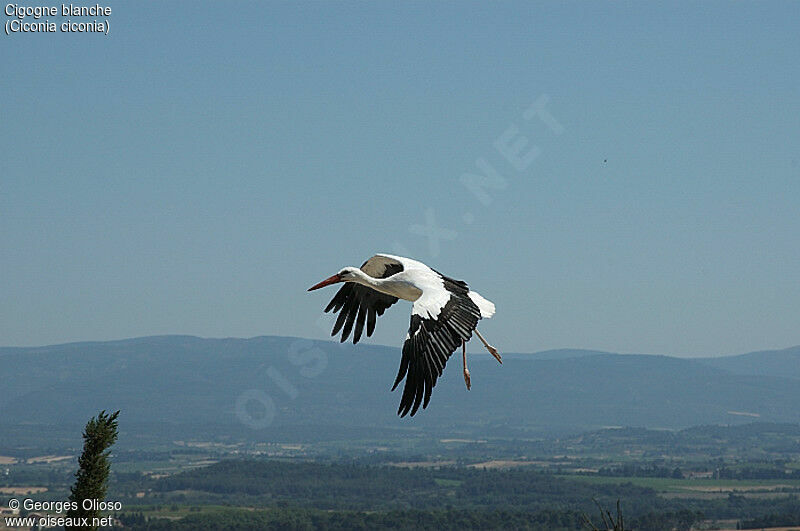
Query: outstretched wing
[359, 304]
[430, 342]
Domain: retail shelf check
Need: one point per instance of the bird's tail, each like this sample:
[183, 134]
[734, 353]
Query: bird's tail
[485, 306]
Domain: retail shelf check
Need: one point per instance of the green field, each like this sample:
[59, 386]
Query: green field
[696, 485]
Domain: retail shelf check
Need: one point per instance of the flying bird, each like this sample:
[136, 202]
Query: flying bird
[444, 315]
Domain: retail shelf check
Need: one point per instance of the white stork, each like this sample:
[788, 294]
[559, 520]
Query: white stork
[443, 316]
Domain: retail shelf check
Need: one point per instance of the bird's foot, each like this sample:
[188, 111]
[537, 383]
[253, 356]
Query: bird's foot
[493, 352]
[467, 379]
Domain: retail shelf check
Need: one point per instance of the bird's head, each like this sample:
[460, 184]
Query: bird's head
[345, 275]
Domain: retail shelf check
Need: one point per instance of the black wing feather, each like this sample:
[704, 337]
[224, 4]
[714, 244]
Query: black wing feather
[430, 343]
[356, 303]
[359, 304]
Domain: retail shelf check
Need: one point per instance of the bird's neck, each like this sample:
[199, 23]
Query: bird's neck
[389, 286]
[366, 280]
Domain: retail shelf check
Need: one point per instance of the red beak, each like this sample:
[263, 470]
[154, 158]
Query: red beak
[330, 280]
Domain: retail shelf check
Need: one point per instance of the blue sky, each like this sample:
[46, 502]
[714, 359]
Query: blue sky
[197, 169]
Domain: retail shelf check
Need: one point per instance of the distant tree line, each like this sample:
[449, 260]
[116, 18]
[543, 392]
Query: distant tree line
[750, 472]
[312, 519]
[641, 471]
[359, 487]
[771, 520]
[300, 495]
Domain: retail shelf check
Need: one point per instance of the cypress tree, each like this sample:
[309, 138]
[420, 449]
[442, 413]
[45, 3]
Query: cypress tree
[91, 481]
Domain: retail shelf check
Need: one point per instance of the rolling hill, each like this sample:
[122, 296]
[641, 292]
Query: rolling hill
[781, 363]
[257, 387]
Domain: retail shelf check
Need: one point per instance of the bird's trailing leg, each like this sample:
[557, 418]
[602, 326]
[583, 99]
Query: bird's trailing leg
[464, 361]
[491, 349]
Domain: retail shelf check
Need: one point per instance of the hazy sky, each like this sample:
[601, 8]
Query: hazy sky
[197, 169]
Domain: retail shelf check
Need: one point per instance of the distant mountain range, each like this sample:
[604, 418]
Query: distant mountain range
[262, 385]
[781, 363]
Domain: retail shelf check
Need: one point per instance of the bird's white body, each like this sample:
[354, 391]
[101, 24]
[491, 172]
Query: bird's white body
[421, 285]
[444, 314]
